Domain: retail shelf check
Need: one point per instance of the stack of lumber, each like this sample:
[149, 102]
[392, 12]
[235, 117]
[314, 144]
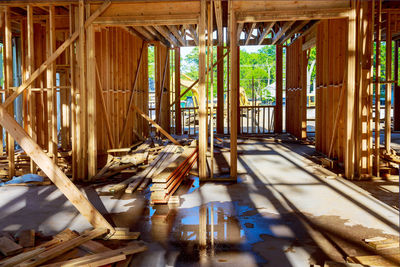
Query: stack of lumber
[142, 180]
[67, 248]
[168, 181]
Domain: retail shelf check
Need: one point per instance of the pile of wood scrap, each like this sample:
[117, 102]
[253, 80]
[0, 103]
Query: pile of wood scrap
[168, 181]
[141, 180]
[134, 158]
[67, 248]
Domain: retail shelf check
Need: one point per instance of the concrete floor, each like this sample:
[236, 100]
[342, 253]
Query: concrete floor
[285, 211]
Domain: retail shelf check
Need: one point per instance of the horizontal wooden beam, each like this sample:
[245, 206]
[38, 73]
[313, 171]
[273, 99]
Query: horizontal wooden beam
[290, 15]
[148, 20]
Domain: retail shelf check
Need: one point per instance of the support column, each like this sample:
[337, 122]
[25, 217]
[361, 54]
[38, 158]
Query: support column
[388, 86]
[8, 83]
[396, 112]
[91, 103]
[377, 89]
[220, 91]
[178, 115]
[202, 93]
[279, 95]
[303, 97]
[349, 107]
[30, 68]
[234, 92]
[82, 145]
[51, 90]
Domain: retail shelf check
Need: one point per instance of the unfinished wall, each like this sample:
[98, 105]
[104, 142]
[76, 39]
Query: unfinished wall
[117, 56]
[330, 71]
[162, 83]
[296, 90]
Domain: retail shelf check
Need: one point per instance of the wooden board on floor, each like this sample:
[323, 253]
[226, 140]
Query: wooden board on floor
[27, 238]
[9, 247]
[103, 258]
[376, 260]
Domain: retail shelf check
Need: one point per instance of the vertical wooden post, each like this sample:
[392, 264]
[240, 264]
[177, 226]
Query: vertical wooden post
[378, 89]
[388, 86]
[91, 103]
[202, 93]
[279, 82]
[303, 96]
[30, 68]
[8, 83]
[396, 112]
[178, 118]
[349, 107]
[82, 157]
[234, 92]
[51, 89]
[73, 94]
[220, 91]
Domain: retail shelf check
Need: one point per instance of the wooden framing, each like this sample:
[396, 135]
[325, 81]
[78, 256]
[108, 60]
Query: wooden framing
[97, 46]
[234, 89]
[203, 143]
[279, 95]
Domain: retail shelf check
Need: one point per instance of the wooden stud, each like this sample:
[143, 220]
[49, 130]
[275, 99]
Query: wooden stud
[279, 89]
[220, 90]
[388, 86]
[202, 93]
[233, 93]
[8, 83]
[178, 118]
[377, 89]
[350, 92]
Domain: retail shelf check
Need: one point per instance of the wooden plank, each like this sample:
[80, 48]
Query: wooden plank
[279, 89]
[218, 19]
[9, 247]
[103, 258]
[92, 246]
[54, 55]
[30, 67]
[377, 89]
[8, 83]
[220, 91]
[282, 30]
[63, 247]
[91, 103]
[11, 262]
[156, 125]
[51, 92]
[388, 86]
[292, 15]
[267, 28]
[178, 115]
[26, 238]
[233, 94]
[202, 93]
[52, 171]
[376, 260]
[350, 94]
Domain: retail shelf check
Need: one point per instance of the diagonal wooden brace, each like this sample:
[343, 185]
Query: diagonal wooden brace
[54, 173]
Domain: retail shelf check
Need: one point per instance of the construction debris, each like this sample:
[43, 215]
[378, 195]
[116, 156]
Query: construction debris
[68, 248]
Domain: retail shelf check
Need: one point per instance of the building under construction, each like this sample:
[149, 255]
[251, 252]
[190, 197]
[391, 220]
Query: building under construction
[104, 164]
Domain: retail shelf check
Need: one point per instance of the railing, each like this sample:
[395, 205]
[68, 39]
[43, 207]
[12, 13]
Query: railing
[257, 119]
[253, 119]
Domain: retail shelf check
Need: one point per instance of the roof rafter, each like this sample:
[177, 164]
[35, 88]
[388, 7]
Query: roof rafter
[283, 29]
